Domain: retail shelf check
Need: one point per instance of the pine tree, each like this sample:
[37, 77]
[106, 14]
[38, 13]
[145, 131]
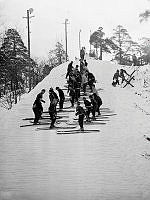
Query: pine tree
[60, 53]
[123, 40]
[104, 44]
[16, 60]
[144, 16]
[56, 56]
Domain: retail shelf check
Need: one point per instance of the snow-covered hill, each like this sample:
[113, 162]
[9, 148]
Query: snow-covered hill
[106, 165]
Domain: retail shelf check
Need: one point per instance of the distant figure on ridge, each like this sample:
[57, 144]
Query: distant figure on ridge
[82, 53]
[122, 75]
[134, 58]
[116, 78]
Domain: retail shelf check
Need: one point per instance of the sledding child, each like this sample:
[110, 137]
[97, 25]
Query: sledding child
[80, 111]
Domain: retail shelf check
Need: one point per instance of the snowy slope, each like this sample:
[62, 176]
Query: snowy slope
[106, 165]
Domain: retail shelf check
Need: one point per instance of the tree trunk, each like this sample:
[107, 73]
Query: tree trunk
[15, 94]
[100, 57]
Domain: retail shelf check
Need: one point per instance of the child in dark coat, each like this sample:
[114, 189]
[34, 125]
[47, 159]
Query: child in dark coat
[53, 114]
[80, 111]
[37, 106]
[61, 97]
[88, 108]
[99, 102]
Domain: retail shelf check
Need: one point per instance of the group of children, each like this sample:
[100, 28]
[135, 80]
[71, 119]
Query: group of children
[53, 97]
[78, 78]
[119, 77]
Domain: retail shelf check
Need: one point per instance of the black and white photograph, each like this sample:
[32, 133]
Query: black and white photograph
[74, 100]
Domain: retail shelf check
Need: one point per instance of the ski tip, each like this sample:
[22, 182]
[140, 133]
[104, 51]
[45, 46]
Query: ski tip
[146, 137]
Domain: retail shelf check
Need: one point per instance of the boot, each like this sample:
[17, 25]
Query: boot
[81, 129]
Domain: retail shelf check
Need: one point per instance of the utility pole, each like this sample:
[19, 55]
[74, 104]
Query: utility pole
[80, 40]
[90, 42]
[29, 11]
[66, 20]
[28, 26]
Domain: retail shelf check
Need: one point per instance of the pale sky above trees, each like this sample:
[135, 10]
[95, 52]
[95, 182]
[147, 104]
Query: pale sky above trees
[47, 26]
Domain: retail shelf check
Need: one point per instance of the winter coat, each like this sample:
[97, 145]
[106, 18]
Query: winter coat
[80, 110]
[87, 103]
[61, 94]
[37, 104]
[53, 98]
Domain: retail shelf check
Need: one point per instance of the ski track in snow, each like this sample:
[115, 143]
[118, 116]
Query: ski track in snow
[110, 165]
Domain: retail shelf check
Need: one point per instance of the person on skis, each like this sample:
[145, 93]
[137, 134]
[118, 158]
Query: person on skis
[61, 98]
[52, 108]
[53, 114]
[53, 97]
[72, 95]
[99, 103]
[69, 69]
[91, 80]
[37, 106]
[94, 106]
[88, 107]
[80, 111]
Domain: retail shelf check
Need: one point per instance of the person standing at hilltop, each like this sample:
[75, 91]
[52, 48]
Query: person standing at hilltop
[82, 53]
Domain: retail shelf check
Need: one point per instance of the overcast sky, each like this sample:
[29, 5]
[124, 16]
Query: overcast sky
[47, 26]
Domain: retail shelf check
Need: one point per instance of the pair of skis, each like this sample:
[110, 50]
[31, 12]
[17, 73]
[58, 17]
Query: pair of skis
[77, 131]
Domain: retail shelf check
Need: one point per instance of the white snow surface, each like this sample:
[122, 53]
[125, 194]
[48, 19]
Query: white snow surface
[108, 165]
